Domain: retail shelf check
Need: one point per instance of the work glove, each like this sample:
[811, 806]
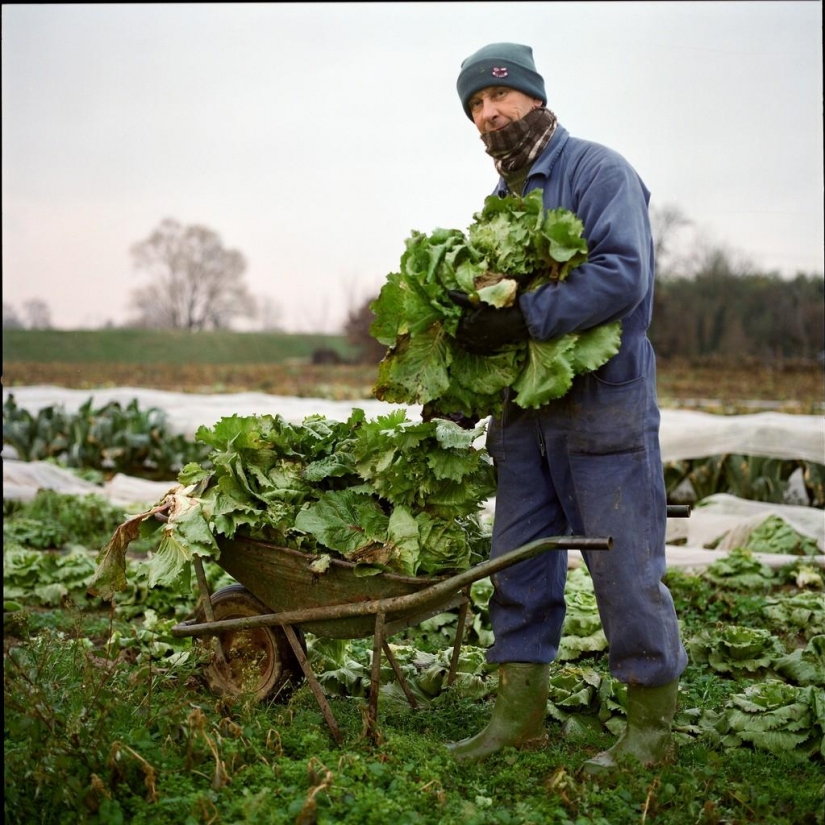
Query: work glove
[483, 329]
[463, 421]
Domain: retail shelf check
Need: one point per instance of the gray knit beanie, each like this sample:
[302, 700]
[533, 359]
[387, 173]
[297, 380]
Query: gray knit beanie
[500, 64]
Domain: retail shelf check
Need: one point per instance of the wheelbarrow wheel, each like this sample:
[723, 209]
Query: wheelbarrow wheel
[259, 662]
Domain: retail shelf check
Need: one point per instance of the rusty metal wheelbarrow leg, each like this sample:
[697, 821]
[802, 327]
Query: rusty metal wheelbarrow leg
[380, 644]
[206, 598]
[381, 627]
[314, 684]
[459, 637]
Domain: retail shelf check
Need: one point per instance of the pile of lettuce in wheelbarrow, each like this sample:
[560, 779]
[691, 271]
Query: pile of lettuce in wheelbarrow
[389, 494]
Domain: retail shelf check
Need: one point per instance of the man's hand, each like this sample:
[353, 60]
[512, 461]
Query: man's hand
[483, 329]
[463, 421]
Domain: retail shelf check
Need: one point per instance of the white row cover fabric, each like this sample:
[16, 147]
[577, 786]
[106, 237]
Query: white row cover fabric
[725, 522]
[22, 480]
[718, 517]
[721, 520]
[685, 434]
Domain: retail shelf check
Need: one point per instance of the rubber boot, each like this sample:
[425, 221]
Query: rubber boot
[646, 739]
[518, 715]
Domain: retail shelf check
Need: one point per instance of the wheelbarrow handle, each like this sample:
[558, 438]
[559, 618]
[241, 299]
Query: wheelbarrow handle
[526, 551]
[427, 596]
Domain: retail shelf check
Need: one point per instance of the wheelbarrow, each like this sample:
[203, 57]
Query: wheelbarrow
[257, 625]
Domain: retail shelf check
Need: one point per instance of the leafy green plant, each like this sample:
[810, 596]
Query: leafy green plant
[758, 478]
[582, 631]
[751, 477]
[777, 717]
[85, 726]
[513, 246]
[805, 666]
[775, 535]
[111, 438]
[52, 519]
[45, 578]
[804, 576]
[813, 475]
[740, 570]
[735, 650]
[573, 691]
[343, 668]
[803, 613]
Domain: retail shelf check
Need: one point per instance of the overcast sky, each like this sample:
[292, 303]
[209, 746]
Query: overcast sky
[314, 138]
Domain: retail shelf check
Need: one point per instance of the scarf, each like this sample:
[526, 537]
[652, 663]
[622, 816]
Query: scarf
[517, 145]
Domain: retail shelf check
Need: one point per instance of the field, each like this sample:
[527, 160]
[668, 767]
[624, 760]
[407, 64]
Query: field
[136, 346]
[282, 364]
[108, 718]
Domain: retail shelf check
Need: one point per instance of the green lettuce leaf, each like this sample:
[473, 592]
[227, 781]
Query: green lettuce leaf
[415, 368]
[347, 522]
[548, 373]
[595, 347]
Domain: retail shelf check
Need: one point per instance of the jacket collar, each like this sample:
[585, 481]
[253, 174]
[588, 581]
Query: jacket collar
[545, 162]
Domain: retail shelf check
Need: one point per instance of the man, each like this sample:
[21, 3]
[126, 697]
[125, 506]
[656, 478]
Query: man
[586, 464]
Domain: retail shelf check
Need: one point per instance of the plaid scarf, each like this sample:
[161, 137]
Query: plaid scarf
[517, 145]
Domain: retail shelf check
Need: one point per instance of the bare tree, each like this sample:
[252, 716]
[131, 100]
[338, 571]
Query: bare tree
[38, 313]
[357, 330]
[666, 221]
[197, 283]
[270, 314]
[11, 320]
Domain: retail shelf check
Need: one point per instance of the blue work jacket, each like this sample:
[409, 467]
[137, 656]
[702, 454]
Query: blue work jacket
[616, 282]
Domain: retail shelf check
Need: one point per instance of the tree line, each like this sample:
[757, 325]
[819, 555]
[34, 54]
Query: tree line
[716, 312]
[707, 302]
[759, 316]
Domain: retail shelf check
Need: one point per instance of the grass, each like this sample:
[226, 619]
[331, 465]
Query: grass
[174, 347]
[108, 720]
[116, 741]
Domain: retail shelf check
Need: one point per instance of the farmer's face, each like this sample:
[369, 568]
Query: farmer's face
[495, 107]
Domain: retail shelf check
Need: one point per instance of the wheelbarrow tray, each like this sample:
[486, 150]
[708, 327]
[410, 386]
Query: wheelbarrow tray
[283, 579]
[342, 605]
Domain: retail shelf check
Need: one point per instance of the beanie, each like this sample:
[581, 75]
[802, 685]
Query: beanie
[500, 64]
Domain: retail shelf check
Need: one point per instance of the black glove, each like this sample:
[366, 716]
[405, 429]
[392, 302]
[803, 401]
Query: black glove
[483, 329]
[430, 411]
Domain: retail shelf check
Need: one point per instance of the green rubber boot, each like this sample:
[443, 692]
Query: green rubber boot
[646, 739]
[518, 715]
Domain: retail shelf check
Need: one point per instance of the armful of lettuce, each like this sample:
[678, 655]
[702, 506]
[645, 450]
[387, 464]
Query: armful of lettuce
[513, 246]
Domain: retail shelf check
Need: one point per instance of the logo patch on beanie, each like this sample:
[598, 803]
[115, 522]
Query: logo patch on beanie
[499, 71]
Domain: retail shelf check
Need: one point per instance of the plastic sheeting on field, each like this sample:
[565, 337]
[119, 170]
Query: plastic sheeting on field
[722, 521]
[22, 480]
[685, 434]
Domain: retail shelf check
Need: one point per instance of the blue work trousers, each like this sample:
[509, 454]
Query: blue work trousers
[587, 464]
